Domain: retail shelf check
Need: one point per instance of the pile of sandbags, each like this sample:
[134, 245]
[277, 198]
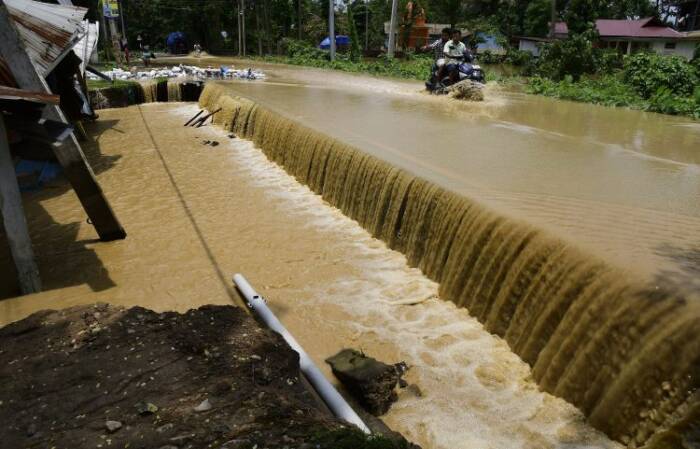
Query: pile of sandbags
[181, 71]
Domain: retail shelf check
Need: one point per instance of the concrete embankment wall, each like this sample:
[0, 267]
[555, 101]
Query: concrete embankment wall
[147, 92]
[625, 352]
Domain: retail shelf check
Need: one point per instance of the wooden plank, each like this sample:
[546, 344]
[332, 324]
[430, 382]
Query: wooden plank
[14, 220]
[69, 155]
[11, 93]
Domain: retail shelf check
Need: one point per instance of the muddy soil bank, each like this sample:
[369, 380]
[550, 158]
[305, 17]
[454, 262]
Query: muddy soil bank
[104, 376]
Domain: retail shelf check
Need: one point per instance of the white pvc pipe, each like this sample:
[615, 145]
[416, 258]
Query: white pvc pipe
[323, 387]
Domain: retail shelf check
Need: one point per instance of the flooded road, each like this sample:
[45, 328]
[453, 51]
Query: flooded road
[196, 214]
[622, 183]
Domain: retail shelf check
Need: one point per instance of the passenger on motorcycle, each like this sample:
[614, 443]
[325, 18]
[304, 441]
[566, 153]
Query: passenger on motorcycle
[438, 46]
[455, 51]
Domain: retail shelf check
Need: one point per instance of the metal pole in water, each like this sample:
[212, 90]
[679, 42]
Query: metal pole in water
[392, 29]
[323, 387]
[331, 27]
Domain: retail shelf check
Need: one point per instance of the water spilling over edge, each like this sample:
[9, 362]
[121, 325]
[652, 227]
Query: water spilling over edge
[625, 353]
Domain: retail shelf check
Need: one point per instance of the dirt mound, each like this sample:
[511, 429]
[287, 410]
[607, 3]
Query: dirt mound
[103, 376]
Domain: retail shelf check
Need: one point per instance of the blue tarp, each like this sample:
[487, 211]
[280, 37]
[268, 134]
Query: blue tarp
[339, 40]
[36, 173]
[176, 42]
[489, 43]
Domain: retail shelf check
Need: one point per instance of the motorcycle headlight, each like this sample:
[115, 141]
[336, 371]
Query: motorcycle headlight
[477, 67]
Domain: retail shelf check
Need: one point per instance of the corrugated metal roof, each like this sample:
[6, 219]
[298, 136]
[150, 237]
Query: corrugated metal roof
[49, 31]
[87, 43]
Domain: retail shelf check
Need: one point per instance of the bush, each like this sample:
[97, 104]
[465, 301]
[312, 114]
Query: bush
[488, 57]
[574, 57]
[608, 61]
[301, 50]
[666, 102]
[608, 90]
[518, 58]
[649, 73]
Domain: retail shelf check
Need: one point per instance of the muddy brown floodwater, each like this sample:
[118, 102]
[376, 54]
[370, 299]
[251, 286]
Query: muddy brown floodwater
[196, 214]
[622, 183]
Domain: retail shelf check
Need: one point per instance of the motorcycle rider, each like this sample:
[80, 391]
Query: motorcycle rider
[437, 47]
[455, 51]
[439, 44]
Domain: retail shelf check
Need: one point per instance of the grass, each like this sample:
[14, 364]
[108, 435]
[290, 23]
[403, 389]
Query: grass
[416, 68]
[101, 84]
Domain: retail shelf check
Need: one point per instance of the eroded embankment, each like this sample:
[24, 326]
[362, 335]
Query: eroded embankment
[146, 92]
[627, 354]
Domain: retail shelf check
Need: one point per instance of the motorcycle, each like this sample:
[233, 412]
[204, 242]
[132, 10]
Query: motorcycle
[465, 70]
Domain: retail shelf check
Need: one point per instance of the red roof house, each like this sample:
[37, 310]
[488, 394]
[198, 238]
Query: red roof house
[629, 36]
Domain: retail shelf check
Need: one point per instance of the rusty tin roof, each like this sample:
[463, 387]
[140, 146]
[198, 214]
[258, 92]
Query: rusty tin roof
[49, 31]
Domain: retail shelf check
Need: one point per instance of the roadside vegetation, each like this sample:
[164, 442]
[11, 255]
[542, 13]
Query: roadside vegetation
[574, 70]
[411, 66]
[119, 84]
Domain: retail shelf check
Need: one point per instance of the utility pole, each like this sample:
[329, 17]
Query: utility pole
[299, 19]
[121, 16]
[240, 37]
[366, 25]
[243, 24]
[392, 29]
[103, 29]
[553, 19]
[331, 27]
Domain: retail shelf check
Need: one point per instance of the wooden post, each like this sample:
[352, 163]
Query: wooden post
[69, 155]
[15, 223]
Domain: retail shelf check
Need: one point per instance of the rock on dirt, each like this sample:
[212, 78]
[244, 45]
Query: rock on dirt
[371, 382]
[466, 90]
[113, 426]
[78, 377]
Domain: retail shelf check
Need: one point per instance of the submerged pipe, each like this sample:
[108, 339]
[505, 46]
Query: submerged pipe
[323, 387]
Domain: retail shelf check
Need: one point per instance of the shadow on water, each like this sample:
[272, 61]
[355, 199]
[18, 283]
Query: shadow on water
[686, 272]
[63, 260]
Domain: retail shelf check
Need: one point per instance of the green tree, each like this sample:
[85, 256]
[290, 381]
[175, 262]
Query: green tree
[581, 15]
[355, 52]
[537, 18]
[571, 57]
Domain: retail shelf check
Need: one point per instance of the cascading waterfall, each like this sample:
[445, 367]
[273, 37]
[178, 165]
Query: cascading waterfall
[174, 92]
[626, 353]
[145, 92]
[150, 91]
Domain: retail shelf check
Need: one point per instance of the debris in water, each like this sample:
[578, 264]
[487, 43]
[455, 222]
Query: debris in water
[194, 117]
[372, 382]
